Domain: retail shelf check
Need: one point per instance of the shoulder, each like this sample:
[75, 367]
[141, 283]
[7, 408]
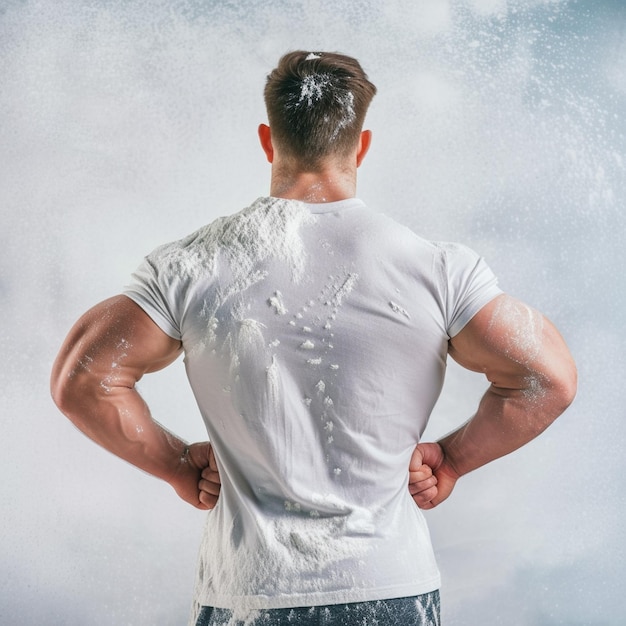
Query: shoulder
[456, 256]
[442, 256]
[396, 232]
[183, 256]
[199, 248]
[268, 226]
[264, 224]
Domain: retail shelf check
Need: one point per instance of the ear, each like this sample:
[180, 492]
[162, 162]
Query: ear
[265, 137]
[365, 141]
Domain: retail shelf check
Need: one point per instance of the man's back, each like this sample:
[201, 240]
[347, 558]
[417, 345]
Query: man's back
[315, 338]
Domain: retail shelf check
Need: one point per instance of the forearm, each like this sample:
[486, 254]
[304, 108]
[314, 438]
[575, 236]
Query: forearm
[505, 421]
[119, 420]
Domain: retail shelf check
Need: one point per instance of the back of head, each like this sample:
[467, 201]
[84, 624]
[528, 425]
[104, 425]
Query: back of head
[316, 105]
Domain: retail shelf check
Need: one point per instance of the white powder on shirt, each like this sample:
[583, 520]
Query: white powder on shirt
[276, 302]
[246, 337]
[346, 287]
[273, 381]
[396, 308]
[267, 229]
[304, 543]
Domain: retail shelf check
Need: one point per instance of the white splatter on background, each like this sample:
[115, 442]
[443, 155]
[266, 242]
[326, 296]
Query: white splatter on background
[498, 123]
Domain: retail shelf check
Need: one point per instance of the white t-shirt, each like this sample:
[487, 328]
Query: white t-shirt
[315, 341]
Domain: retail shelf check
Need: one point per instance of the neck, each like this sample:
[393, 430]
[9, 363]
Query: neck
[329, 184]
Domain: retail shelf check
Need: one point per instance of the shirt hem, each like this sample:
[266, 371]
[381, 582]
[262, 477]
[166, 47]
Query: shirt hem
[346, 596]
[473, 308]
[153, 314]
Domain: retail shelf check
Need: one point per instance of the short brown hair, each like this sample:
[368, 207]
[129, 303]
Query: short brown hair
[316, 104]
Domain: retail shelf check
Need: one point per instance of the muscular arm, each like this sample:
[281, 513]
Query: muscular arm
[93, 382]
[533, 380]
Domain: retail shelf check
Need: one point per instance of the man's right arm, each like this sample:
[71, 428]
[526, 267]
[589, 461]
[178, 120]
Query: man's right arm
[93, 383]
[533, 380]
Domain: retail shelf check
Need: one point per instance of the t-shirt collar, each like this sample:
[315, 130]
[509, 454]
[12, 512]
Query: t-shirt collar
[334, 207]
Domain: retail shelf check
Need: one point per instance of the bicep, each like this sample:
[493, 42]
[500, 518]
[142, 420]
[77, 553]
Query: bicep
[514, 345]
[115, 341]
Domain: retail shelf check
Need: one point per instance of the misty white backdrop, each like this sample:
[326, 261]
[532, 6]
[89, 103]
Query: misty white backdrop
[498, 123]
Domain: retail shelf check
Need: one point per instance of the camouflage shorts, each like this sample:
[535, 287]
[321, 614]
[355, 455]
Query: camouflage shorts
[421, 610]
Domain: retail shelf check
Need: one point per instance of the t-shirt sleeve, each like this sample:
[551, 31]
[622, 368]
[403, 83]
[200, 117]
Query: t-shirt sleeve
[154, 293]
[470, 285]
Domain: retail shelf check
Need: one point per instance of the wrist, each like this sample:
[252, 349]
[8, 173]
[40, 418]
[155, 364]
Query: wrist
[184, 456]
[180, 464]
[450, 464]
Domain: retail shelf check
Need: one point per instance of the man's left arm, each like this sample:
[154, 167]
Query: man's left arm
[93, 383]
[533, 380]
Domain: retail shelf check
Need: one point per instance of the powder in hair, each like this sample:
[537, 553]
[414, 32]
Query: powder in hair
[346, 101]
[312, 88]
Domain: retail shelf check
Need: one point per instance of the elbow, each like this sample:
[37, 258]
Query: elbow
[550, 392]
[60, 391]
[66, 389]
[570, 387]
[56, 385]
[564, 385]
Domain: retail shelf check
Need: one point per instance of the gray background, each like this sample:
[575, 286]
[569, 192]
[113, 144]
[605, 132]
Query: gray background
[499, 123]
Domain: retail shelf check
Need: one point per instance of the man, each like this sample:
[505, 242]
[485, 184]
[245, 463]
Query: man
[315, 334]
